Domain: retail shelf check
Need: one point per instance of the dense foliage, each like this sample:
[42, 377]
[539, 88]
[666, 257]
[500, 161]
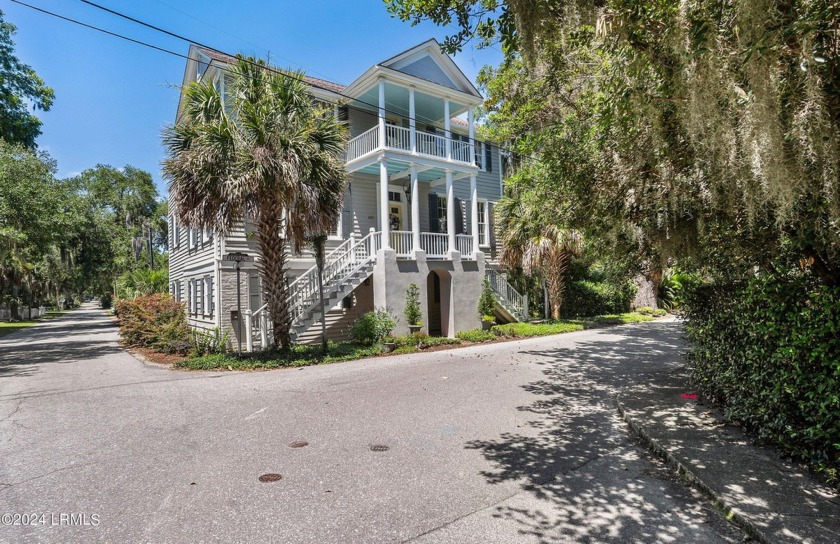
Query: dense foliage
[154, 321]
[768, 349]
[586, 298]
[486, 301]
[21, 90]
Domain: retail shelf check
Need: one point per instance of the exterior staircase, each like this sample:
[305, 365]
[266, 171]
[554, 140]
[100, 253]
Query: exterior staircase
[510, 304]
[345, 268]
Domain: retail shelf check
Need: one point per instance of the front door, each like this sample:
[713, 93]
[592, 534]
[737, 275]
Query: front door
[395, 211]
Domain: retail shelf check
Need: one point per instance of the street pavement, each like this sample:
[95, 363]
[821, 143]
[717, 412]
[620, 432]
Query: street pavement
[498, 443]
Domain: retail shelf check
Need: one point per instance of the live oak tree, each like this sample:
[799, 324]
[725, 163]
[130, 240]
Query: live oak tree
[21, 90]
[267, 152]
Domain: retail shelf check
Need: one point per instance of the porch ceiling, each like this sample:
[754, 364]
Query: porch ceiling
[397, 167]
[428, 109]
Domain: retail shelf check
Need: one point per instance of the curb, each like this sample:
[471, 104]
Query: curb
[725, 507]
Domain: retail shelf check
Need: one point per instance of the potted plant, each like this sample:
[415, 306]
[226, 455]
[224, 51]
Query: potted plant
[412, 312]
[389, 345]
[486, 305]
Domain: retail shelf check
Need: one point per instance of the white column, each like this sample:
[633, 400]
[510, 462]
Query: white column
[385, 224]
[415, 209]
[412, 122]
[382, 114]
[474, 213]
[450, 211]
[472, 135]
[447, 131]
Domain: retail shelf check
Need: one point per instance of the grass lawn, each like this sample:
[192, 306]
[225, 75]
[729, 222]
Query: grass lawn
[8, 328]
[347, 351]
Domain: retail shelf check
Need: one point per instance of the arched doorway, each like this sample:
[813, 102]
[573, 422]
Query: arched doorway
[439, 291]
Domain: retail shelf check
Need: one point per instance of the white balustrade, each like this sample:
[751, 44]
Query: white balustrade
[401, 242]
[364, 143]
[507, 295]
[464, 245]
[436, 245]
[397, 137]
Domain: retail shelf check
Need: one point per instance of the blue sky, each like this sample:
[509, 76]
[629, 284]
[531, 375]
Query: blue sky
[114, 97]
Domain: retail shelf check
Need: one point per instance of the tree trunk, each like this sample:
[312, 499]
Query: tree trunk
[273, 268]
[555, 280]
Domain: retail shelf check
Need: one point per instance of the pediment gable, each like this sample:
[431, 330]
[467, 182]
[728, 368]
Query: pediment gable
[428, 62]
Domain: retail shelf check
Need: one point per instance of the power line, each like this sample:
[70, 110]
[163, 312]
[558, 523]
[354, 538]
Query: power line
[433, 122]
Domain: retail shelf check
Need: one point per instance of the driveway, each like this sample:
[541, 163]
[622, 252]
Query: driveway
[512, 442]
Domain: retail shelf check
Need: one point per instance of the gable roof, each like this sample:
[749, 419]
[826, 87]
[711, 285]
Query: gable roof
[427, 61]
[313, 81]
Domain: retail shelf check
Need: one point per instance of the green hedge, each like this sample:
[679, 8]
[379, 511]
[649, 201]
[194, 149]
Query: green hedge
[585, 298]
[768, 350]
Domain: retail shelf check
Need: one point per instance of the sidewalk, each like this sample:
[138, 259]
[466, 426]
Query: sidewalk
[772, 499]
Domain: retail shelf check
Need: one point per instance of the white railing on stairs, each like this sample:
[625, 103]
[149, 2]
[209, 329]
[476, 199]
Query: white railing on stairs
[509, 297]
[340, 263]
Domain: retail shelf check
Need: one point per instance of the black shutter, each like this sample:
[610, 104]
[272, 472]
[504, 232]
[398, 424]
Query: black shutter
[343, 113]
[488, 157]
[434, 223]
[459, 211]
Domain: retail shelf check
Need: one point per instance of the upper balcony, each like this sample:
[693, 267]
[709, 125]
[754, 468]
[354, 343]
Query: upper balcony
[405, 141]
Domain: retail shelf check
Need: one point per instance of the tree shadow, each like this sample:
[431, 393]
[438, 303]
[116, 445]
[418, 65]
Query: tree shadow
[585, 478]
[77, 337]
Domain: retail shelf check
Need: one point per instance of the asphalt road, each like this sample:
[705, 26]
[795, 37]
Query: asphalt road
[502, 443]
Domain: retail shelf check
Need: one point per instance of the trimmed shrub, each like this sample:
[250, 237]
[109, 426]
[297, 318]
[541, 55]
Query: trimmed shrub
[475, 335]
[372, 327]
[412, 312]
[768, 351]
[585, 298]
[154, 321]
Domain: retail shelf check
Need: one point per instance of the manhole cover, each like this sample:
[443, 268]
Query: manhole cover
[299, 444]
[379, 447]
[271, 477]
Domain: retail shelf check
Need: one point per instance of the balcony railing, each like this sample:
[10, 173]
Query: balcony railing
[434, 244]
[464, 245]
[401, 242]
[399, 138]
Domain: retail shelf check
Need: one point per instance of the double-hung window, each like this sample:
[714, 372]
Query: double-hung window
[482, 223]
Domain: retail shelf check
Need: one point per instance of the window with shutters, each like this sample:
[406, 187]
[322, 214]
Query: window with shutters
[199, 297]
[441, 213]
[178, 290]
[208, 295]
[191, 296]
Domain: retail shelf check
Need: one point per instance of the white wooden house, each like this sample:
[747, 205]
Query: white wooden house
[417, 209]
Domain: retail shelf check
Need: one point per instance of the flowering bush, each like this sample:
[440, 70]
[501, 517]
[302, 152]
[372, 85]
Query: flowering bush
[154, 321]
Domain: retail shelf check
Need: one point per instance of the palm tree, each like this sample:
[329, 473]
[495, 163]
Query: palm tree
[535, 244]
[265, 151]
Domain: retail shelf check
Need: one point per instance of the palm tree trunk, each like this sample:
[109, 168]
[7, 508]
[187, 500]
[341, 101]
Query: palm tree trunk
[273, 269]
[555, 282]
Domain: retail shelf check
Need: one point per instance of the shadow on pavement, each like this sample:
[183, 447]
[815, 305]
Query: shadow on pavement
[559, 456]
[78, 337]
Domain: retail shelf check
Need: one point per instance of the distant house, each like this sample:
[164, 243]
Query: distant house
[417, 209]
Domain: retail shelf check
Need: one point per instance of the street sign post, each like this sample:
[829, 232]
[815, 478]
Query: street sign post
[238, 258]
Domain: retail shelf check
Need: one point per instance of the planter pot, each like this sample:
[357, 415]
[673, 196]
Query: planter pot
[412, 329]
[388, 347]
[486, 325]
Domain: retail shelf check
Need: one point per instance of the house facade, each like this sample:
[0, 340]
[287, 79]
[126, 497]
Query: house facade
[417, 209]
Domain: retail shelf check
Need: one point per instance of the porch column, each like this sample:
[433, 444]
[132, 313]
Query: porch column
[474, 213]
[447, 131]
[415, 209]
[472, 135]
[384, 220]
[450, 212]
[412, 123]
[382, 114]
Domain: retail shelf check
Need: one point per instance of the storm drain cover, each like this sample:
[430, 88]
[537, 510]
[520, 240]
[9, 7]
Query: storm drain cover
[379, 447]
[271, 477]
[299, 444]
